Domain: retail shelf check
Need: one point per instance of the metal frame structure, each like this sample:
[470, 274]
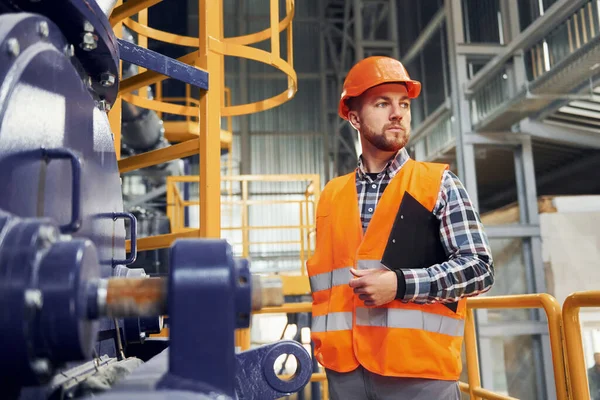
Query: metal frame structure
[212, 48]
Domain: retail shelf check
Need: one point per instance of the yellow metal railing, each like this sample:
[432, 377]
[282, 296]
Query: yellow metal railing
[243, 201]
[210, 49]
[576, 390]
[573, 343]
[553, 314]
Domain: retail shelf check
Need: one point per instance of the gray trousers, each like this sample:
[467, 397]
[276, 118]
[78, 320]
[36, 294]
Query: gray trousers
[361, 384]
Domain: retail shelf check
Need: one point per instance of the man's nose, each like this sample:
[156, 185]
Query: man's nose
[396, 113]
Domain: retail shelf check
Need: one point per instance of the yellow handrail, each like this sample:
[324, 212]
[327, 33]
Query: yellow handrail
[553, 313]
[474, 389]
[305, 202]
[573, 343]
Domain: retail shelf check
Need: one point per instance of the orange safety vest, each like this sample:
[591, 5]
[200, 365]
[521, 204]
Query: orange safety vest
[396, 339]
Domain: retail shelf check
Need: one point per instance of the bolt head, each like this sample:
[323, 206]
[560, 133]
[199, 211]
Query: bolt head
[107, 79]
[12, 46]
[104, 105]
[34, 298]
[43, 29]
[41, 366]
[46, 236]
[69, 50]
[88, 27]
[88, 41]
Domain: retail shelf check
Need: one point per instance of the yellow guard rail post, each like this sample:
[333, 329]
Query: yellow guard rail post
[553, 313]
[573, 342]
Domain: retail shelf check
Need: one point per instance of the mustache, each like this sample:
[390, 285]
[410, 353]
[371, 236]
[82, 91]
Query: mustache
[394, 125]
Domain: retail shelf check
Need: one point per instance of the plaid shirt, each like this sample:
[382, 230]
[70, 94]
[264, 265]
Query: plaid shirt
[469, 270]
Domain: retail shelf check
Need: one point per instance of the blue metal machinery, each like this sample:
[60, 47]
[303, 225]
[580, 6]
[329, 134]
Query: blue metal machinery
[67, 299]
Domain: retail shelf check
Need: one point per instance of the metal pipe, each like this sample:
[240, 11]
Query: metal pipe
[106, 6]
[266, 292]
[135, 297]
[147, 297]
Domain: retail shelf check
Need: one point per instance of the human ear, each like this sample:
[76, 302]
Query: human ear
[354, 120]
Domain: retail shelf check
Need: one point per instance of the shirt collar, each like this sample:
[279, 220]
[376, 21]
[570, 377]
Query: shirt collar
[392, 167]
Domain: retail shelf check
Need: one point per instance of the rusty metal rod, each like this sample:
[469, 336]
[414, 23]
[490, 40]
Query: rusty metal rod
[135, 297]
[146, 297]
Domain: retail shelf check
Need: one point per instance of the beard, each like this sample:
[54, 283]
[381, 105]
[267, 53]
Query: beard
[387, 141]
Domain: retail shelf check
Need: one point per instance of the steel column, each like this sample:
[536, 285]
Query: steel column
[352, 39]
[325, 129]
[465, 152]
[244, 120]
[534, 245]
[210, 26]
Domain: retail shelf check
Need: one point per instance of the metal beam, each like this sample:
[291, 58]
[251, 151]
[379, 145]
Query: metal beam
[512, 231]
[324, 122]
[589, 87]
[556, 14]
[244, 120]
[465, 152]
[509, 139]
[431, 121]
[565, 134]
[479, 50]
[426, 34]
[145, 198]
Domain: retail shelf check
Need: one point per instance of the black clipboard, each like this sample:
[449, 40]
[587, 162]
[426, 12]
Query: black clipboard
[414, 240]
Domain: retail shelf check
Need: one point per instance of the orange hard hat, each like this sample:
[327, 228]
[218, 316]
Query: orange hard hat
[373, 71]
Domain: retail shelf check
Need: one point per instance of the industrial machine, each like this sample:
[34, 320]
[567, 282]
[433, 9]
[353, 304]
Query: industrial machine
[69, 303]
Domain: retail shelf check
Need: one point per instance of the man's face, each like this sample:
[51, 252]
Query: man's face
[382, 116]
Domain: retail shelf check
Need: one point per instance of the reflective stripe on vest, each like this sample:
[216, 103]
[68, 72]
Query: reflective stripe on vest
[389, 318]
[369, 264]
[327, 280]
[337, 321]
[409, 319]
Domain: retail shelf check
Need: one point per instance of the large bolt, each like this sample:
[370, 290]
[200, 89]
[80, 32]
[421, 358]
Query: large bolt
[88, 42]
[43, 29]
[41, 366]
[69, 50]
[107, 79]
[88, 27]
[13, 47]
[34, 298]
[46, 236]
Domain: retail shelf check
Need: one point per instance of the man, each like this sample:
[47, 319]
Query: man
[594, 378]
[398, 249]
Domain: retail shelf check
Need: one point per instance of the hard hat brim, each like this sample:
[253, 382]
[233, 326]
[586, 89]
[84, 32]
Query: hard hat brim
[413, 87]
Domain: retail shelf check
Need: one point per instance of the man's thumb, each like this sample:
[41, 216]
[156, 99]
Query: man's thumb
[359, 272]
